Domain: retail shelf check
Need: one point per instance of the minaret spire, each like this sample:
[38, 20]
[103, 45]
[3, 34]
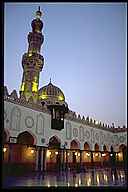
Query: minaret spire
[33, 61]
[38, 13]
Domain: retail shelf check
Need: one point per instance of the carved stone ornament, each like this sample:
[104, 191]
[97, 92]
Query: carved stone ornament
[29, 122]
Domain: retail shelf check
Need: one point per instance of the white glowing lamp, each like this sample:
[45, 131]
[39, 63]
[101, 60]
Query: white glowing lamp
[48, 153]
[32, 151]
[4, 149]
[88, 154]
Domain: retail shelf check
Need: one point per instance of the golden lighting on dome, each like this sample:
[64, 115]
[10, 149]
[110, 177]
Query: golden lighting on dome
[43, 96]
[30, 54]
[22, 86]
[34, 87]
[60, 98]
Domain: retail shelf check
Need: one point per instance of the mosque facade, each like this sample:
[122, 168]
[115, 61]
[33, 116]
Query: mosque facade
[42, 133]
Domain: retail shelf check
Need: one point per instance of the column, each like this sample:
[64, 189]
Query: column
[10, 156]
[80, 159]
[44, 159]
[37, 158]
[66, 160]
[91, 158]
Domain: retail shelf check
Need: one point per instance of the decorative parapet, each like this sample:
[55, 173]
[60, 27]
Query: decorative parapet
[71, 115]
[22, 101]
[14, 95]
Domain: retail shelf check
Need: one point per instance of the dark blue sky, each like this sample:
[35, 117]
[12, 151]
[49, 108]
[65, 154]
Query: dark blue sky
[84, 51]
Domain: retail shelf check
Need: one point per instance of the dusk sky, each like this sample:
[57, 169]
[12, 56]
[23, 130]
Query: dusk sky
[84, 50]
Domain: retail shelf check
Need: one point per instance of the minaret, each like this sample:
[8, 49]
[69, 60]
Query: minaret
[33, 61]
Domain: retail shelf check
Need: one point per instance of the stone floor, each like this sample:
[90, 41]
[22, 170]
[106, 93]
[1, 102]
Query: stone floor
[90, 177]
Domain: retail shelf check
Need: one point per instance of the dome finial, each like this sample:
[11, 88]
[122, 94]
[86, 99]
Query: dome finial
[50, 80]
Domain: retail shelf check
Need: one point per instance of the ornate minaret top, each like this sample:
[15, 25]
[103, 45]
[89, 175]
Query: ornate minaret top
[38, 13]
[33, 61]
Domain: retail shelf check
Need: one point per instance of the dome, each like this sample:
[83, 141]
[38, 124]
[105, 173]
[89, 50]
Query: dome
[51, 94]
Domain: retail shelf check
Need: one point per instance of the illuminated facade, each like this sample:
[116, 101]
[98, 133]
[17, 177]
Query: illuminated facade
[29, 138]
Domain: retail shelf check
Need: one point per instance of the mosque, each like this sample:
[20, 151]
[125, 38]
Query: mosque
[41, 133]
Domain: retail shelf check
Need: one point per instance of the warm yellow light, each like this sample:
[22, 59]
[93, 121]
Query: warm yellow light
[119, 154]
[78, 154]
[89, 181]
[30, 54]
[96, 154]
[22, 86]
[56, 152]
[34, 87]
[103, 154]
[44, 96]
[48, 185]
[75, 153]
[76, 185]
[32, 151]
[79, 181]
[97, 178]
[60, 98]
[4, 149]
[48, 153]
[68, 154]
[88, 154]
[105, 178]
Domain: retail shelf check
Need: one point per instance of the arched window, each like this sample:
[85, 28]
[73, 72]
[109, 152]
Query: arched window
[105, 148]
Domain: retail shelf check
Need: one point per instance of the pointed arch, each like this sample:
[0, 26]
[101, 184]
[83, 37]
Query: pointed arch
[5, 137]
[86, 146]
[74, 144]
[54, 142]
[105, 148]
[26, 138]
[122, 147]
[96, 147]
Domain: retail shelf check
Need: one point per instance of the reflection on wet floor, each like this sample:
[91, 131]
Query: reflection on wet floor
[94, 177]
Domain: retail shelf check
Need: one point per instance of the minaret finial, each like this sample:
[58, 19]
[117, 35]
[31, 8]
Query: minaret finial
[38, 13]
[50, 79]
